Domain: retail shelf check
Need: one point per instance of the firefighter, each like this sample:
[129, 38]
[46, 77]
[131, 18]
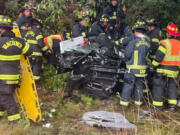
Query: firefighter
[80, 28]
[128, 36]
[52, 42]
[25, 20]
[30, 30]
[135, 53]
[11, 50]
[166, 63]
[116, 16]
[100, 27]
[155, 34]
[52, 46]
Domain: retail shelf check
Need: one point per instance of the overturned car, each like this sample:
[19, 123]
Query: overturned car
[97, 66]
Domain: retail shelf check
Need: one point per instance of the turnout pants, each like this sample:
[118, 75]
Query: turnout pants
[162, 84]
[36, 61]
[36, 64]
[7, 102]
[133, 86]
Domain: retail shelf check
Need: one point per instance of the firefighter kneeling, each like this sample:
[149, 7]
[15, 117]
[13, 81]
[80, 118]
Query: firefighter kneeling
[11, 50]
[167, 63]
[135, 53]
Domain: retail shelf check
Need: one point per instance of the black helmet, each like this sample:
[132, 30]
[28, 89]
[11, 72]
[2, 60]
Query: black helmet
[5, 21]
[104, 18]
[140, 25]
[151, 21]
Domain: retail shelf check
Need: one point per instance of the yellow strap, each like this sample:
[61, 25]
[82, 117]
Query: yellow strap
[172, 101]
[10, 58]
[157, 103]
[124, 103]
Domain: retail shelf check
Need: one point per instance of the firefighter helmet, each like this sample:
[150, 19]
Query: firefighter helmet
[104, 18]
[5, 21]
[172, 29]
[140, 25]
[151, 21]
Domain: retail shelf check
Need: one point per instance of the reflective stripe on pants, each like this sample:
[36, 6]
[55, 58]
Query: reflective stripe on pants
[14, 117]
[160, 83]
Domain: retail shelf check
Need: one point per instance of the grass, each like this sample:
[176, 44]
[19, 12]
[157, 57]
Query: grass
[67, 120]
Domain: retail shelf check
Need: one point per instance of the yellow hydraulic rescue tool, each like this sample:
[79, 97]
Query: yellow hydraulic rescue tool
[26, 93]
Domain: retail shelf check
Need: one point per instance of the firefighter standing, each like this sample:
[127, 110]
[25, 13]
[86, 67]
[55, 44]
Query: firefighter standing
[135, 54]
[32, 34]
[154, 34]
[167, 62]
[11, 50]
[116, 16]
